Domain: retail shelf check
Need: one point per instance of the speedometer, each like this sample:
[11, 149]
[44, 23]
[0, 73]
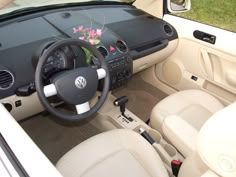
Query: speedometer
[55, 63]
[61, 59]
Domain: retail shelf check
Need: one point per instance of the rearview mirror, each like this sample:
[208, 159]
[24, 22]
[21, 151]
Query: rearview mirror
[175, 6]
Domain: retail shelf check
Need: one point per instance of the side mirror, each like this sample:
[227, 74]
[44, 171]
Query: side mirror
[176, 6]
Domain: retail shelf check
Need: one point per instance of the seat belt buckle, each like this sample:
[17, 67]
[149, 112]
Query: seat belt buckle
[175, 166]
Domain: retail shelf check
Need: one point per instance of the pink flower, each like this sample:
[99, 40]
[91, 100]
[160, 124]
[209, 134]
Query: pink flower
[88, 29]
[92, 33]
[81, 38]
[81, 28]
[99, 32]
[75, 30]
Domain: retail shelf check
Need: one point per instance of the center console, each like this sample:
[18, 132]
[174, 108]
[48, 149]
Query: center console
[121, 69]
[112, 116]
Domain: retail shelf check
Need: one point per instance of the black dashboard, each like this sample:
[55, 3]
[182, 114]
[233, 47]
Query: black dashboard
[127, 35]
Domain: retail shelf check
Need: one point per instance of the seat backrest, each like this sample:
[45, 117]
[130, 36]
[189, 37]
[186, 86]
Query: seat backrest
[216, 147]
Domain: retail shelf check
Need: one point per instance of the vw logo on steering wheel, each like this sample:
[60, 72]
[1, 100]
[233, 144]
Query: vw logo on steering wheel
[80, 82]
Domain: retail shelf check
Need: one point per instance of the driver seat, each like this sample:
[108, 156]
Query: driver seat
[116, 153]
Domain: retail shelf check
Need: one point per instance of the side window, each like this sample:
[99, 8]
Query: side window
[218, 13]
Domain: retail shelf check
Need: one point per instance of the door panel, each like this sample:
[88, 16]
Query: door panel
[198, 63]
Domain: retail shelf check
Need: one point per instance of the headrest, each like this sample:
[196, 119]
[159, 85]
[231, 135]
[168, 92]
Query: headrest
[217, 142]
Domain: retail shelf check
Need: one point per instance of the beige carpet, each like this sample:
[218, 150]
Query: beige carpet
[142, 96]
[56, 138]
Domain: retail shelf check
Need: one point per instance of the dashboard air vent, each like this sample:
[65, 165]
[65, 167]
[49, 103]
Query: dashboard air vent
[121, 46]
[168, 30]
[103, 51]
[6, 79]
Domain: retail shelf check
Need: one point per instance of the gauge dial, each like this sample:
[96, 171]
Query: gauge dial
[55, 63]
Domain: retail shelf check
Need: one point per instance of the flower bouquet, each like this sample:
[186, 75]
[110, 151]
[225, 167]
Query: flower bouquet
[90, 35]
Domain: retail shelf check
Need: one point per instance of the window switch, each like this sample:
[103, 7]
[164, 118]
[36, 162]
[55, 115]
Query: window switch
[195, 78]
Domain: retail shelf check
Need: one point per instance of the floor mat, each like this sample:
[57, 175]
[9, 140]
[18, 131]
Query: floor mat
[142, 96]
[56, 138]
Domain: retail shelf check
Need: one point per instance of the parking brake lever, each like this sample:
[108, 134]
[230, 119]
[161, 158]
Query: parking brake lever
[121, 101]
[146, 135]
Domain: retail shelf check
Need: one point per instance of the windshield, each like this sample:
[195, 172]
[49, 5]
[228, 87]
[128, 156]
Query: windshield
[7, 6]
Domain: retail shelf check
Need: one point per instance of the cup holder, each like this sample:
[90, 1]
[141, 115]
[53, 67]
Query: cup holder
[166, 151]
[171, 151]
[155, 135]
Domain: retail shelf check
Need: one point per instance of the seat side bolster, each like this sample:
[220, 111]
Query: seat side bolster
[180, 133]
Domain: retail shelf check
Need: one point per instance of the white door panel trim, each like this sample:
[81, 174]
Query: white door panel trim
[201, 65]
[225, 40]
[24, 148]
[6, 167]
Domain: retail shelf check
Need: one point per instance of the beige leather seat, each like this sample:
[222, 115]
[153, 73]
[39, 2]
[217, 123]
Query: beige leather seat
[116, 153]
[180, 116]
[124, 153]
[215, 155]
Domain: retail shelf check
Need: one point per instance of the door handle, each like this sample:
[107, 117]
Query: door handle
[204, 37]
[207, 64]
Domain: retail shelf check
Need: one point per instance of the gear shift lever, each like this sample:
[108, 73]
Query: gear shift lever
[121, 101]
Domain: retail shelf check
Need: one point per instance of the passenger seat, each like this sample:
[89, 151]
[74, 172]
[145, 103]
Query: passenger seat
[180, 116]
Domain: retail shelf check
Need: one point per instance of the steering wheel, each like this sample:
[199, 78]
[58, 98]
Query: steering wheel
[75, 87]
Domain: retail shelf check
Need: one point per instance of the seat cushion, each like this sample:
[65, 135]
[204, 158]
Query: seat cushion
[114, 153]
[216, 143]
[193, 107]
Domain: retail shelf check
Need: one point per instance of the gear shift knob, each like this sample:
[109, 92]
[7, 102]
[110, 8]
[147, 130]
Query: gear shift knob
[121, 101]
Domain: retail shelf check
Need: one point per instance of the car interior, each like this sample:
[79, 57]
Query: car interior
[101, 89]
